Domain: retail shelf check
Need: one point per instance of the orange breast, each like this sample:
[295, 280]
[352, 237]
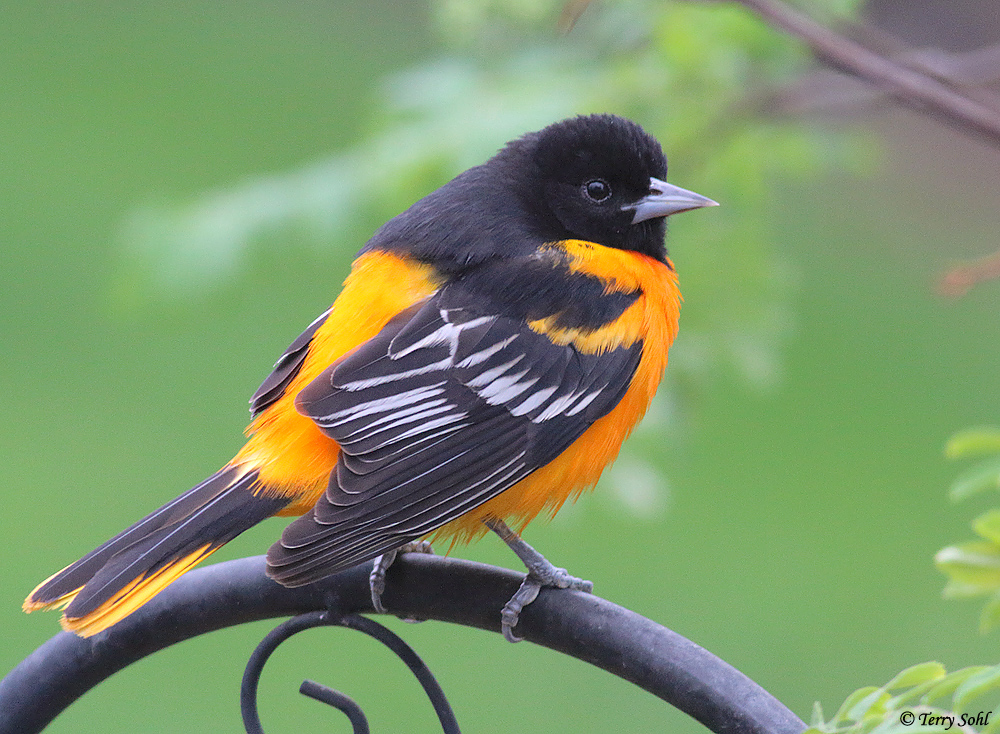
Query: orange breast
[293, 456]
[652, 318]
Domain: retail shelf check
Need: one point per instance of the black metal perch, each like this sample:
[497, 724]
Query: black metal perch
[420, 586]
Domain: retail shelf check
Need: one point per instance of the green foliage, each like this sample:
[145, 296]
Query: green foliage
[922, 698]
[983, 476]
[697, 75]
[973, 567]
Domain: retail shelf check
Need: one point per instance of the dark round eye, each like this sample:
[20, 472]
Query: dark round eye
[597, 190]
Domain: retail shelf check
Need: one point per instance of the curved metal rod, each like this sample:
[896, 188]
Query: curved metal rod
[255, 666]
[417, 666]
[336, 699]
[251, 676]
[418, 586]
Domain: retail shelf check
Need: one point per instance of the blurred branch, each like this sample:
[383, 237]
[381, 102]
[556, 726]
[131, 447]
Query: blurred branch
[909, 84]
[957, 281]
[930, 81]
[825, 89]
[420, 587]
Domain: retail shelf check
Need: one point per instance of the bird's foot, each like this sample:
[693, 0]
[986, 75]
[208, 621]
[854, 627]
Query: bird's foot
[541, 573]
[376, 579]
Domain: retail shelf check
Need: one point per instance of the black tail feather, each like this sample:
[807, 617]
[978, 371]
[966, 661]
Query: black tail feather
[211, 514]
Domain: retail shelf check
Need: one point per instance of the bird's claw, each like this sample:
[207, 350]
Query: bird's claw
[557, 578]
[511, 611]
[541, 573]
[376, 579]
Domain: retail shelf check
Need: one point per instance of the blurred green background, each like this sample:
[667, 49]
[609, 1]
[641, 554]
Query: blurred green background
[780, 506]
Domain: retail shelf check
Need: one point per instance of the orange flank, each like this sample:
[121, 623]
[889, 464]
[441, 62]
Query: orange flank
[293, 456]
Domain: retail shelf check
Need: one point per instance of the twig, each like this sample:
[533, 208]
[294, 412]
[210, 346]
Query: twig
[825, 89]
[908, 86]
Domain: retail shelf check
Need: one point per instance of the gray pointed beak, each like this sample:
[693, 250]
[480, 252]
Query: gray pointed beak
[665, 199]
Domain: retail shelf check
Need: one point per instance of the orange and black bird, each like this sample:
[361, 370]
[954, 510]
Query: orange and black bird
[491, 349]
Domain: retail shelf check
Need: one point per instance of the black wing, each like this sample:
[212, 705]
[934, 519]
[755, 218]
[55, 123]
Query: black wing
[436, 415]
[285, 369]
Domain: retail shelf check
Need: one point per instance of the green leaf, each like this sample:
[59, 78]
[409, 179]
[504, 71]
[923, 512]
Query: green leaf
[979, 478]
[915, 675]
[843, 714]
[880, 724]
[987, 525]
[973, 442]
[872, 705]
[891, 725]
[973, 568]
[989, 618]
[992, 727]
[909, 697]
[950, 684]
[817, 715]
[976, 685]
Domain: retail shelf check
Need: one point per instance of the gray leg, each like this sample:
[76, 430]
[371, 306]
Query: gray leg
[540, 573]
[376, 580]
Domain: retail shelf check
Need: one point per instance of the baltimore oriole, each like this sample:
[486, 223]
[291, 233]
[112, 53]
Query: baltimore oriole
[492, 347]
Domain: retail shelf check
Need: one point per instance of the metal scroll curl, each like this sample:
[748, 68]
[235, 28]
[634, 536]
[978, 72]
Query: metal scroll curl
[340, 701]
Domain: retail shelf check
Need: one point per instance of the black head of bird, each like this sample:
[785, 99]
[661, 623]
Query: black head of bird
[598, 178]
